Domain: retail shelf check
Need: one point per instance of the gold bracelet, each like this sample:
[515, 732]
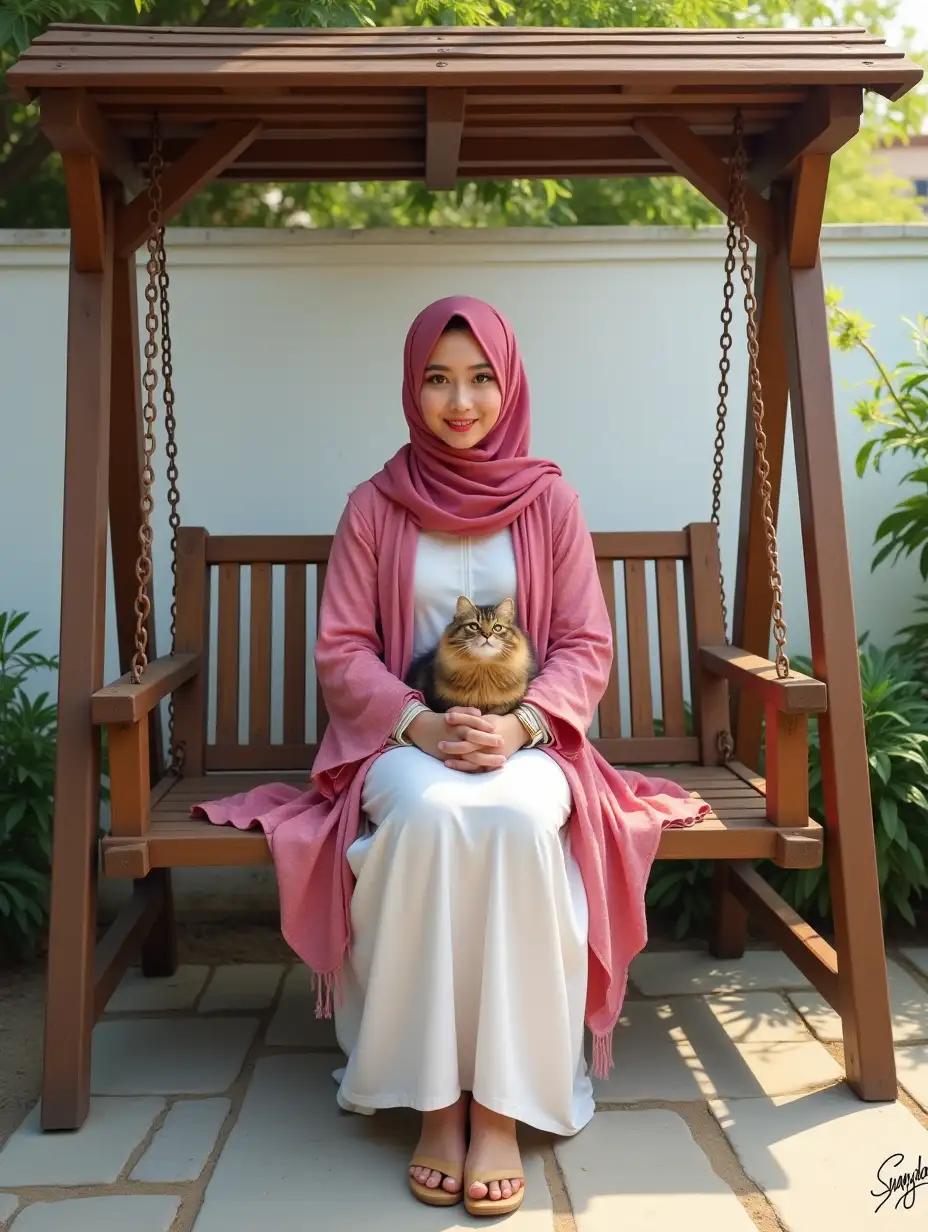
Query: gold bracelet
[535, 731]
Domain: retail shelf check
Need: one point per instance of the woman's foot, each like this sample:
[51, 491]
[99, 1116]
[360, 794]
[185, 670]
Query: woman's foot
[444, 1136]
[493, 1146]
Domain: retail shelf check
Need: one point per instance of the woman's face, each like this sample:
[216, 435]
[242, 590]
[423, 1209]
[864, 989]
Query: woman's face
[460, 396]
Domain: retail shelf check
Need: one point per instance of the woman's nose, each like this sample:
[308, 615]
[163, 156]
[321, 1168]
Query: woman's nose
[461, 395]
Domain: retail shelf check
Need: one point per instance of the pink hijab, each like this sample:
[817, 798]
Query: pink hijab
[364, 648]
[466, 491]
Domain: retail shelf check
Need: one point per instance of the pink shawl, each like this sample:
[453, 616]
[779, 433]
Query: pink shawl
[364, 648]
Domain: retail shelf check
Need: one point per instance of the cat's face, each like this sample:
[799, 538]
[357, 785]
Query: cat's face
[483, 632]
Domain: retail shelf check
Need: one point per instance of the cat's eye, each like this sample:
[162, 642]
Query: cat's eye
[473, 625]
[497, 628]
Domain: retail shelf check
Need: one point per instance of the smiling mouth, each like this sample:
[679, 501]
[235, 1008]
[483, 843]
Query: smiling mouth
[460, 425]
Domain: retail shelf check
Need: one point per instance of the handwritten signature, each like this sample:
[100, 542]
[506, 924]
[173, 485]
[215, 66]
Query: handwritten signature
[903, 1183]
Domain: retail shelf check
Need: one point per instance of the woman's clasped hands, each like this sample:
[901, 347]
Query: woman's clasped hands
[464, 739]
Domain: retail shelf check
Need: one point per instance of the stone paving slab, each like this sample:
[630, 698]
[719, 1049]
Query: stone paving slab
[8, 1204]
[908, 1007]
[670, 973]
[644, 1171]
[818, 1157]
[169, 1056]
[181, 1147]
[94, 1155]
[242, 986]
[295, 1156]
[678, 1050]
[295, 1024]
[757, 1018]
[912, 1072]
[174, 992]
[143, 1213]
[917, 956]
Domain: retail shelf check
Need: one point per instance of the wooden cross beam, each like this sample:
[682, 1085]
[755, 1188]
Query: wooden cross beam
[693, 157]
[828, 119]
[182, 180]
[443, 131]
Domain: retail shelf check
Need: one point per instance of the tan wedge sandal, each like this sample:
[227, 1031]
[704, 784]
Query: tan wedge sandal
[490, 1206]
[437, 1196]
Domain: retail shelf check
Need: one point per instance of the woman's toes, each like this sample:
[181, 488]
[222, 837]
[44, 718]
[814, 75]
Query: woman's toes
[450, 1184]
[434, 1180]
[479, 1191]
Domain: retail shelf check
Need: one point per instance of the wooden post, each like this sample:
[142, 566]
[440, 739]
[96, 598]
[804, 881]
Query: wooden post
[864, 999]
[69, 1007]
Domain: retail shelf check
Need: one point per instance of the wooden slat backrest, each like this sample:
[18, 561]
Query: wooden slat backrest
[640, 721]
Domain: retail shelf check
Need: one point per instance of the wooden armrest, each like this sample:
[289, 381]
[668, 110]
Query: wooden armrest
[125, 702]
[796, 695]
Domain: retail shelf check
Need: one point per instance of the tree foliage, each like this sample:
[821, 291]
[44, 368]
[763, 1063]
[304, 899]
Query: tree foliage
[32, 190]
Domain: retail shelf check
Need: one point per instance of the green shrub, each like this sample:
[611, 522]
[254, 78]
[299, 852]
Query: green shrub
[27, 764]
[896, 724]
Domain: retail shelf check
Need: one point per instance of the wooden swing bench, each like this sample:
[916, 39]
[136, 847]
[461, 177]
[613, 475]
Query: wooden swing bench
[151, 828]
[144, 119]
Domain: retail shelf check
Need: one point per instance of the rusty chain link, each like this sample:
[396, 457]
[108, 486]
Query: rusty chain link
[757, 400]
[143, 565]
[158, 305]
[177, 751]
[724, 370]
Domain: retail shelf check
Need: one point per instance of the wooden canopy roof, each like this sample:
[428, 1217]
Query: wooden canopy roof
[439, 103]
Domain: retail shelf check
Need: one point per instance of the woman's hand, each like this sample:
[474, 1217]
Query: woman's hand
[507, 728]
[462, 738]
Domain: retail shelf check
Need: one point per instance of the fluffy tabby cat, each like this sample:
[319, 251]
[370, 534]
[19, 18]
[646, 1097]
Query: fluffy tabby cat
[483, 659]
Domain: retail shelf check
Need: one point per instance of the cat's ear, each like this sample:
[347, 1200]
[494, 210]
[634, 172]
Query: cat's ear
[506, 611]
[465, 610]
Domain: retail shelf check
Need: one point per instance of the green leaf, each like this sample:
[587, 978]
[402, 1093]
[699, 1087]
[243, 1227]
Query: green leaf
[889, 814]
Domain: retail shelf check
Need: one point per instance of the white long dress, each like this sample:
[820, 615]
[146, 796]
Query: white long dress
[468, 963]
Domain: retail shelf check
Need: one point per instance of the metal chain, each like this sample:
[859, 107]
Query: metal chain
[724, 370]
[757, 401]
[177, 751]
[143, 565]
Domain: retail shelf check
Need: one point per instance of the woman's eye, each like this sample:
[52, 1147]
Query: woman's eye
[483, 377]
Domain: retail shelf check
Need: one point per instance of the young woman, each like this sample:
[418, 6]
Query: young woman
[470, 887]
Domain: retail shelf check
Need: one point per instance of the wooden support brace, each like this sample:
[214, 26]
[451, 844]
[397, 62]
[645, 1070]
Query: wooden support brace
[811, 953]
[182, 180]
[691, 156]
[787, 767]
[828, 119]
[126, 860]
[75, 125]
[443, 132]
[807, 210]
[85, 205]
[130, 778]
[120, 944]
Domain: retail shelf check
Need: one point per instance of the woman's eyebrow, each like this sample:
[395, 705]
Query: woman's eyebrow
[445, 368]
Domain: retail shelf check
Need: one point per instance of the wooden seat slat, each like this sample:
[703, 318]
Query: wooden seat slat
[639, 656]
[259, 693]
[295, 653]
[668, 629]
[227, 668]
[610, 713]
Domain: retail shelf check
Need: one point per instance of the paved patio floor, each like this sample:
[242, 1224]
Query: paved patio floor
[213, 1110]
